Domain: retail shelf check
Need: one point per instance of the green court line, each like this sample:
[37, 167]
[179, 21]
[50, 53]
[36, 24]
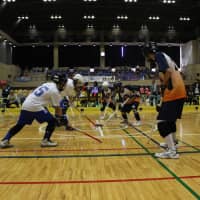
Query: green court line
[196, 195]
[92, 155]
[78, 156]
[189, 145]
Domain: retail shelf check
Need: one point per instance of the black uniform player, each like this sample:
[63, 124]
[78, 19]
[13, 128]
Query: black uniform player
[107, 99]
[131, 101]
[64, 104]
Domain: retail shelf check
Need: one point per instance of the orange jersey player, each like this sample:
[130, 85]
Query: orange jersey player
[174, 95]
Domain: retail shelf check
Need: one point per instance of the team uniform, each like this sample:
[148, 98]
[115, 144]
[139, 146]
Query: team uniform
[72, 87]
[107, 99]
[131, 101]
[69, 89]
[64, 104]
[34, 108]
[174, 95]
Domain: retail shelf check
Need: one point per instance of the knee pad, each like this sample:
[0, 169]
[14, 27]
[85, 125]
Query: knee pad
[164, 128]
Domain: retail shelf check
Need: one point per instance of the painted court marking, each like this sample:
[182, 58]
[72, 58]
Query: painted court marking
[94, 181]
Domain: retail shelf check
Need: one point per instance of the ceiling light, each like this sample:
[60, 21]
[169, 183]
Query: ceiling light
[90, 26]
[184, 19]
[169, 1]
[9, 1]
[89, 17]
[49, 0]
[23, 17]
[89, 0]
[55, 17]
[122, 17]
[130, 1]
[116, 26]
[154, 18]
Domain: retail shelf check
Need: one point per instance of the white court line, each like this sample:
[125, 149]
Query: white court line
[138, 135]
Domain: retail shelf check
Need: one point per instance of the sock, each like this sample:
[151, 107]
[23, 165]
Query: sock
[174, 137]
[170, 142]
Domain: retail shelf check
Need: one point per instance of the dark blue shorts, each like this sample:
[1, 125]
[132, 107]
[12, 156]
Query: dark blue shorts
[171, 110]
[128, 107]
[27, 117]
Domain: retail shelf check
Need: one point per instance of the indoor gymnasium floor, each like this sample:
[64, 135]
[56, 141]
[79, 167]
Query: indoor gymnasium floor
[122, 167]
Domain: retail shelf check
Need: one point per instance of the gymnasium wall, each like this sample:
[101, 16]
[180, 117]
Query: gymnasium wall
[190, 53]
[191, 60]
[8, 72]
[5, 53]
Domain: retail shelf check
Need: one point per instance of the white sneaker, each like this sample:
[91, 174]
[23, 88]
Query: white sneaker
[5, 144]
[48, 143]
[137, 123]
[167, 154]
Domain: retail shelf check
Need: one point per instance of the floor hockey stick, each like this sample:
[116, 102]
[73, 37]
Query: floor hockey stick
[87, 134]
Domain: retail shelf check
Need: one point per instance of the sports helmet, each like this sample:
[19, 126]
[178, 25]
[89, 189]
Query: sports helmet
[59, 78]
[79, 78]
[105, 84]
[149, 48]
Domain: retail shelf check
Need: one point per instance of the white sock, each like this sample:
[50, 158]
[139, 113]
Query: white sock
[170, 142]
[174, 136]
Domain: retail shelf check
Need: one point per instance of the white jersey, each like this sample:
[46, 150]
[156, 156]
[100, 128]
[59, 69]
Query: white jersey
[69, 89]
[42, 96]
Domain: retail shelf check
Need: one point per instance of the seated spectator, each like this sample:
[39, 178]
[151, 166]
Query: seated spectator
[12, 99]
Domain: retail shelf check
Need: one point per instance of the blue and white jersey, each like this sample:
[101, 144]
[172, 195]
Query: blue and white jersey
[164, 62]
[44, 95]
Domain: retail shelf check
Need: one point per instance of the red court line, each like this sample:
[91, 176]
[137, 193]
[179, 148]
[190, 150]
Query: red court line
[71, 150]
[94, 181]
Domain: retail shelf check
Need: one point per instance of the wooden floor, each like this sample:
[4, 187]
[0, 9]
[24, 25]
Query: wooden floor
[121, 168]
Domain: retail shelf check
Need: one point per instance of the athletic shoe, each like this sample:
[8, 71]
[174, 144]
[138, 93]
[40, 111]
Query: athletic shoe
[167, 154]
[137, 123]
[48, 143]
[5, 144]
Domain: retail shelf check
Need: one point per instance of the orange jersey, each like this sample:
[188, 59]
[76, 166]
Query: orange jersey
[137, 99]
[178, 88]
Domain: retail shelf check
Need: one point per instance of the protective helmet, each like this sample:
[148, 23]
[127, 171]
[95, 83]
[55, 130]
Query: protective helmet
[79, 78]
[60, 80]
[105, 84]
[149, 48]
